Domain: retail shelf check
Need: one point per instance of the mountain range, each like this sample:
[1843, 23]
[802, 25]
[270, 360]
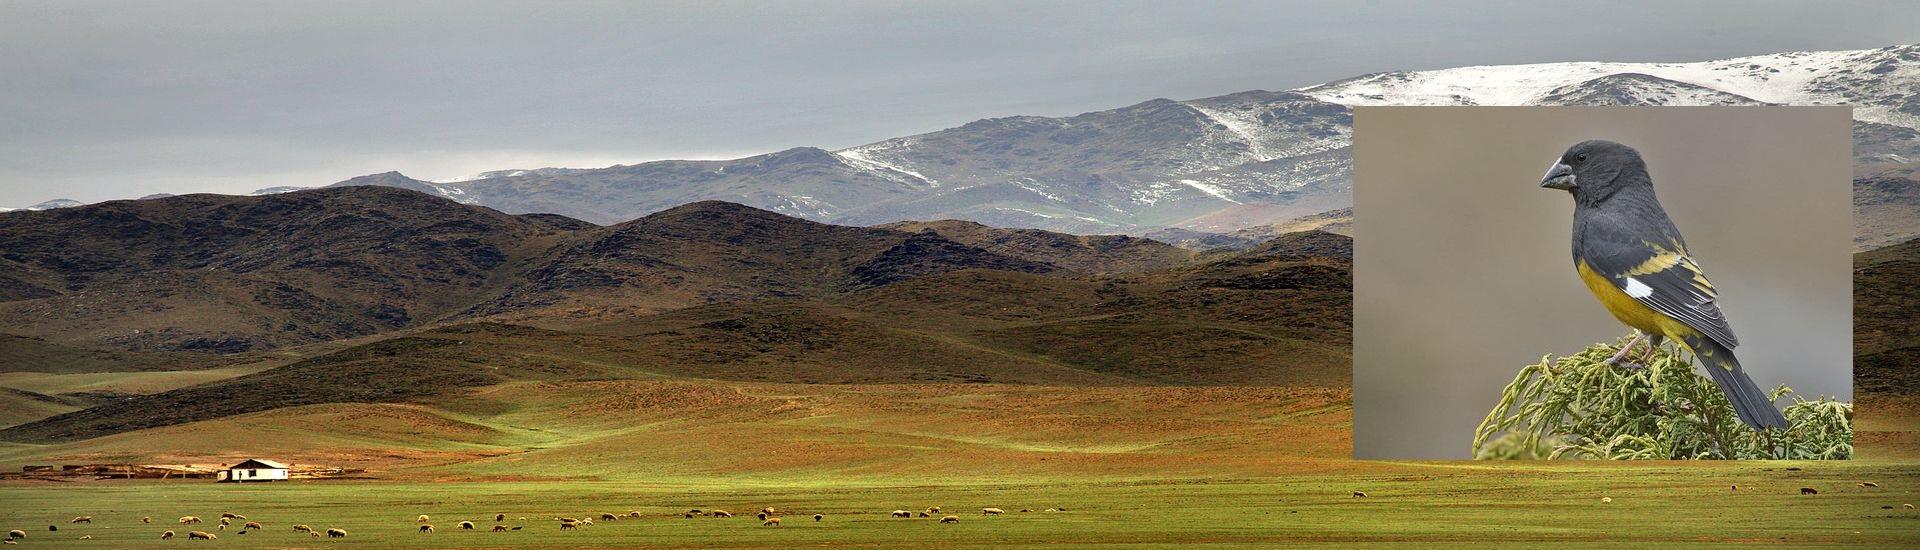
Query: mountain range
[377, 294]
[1246, 160]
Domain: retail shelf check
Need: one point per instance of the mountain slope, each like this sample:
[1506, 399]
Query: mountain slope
[226, 274]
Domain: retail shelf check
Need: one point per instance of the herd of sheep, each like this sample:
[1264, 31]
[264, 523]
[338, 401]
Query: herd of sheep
[768, 517]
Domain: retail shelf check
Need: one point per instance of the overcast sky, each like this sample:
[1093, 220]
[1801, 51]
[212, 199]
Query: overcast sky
[117, 100]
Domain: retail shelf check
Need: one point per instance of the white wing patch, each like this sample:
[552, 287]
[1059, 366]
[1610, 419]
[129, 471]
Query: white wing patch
[1637, 289]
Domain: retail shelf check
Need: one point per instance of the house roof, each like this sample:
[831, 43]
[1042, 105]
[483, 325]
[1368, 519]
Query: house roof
[258, 463]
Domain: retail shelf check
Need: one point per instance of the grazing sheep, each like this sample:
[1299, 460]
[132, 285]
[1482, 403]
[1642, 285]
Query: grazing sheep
[336, 533]
[696, 511]
[251, 525]
[226, 521]
[991, 511]
[762, 516]
[586, 522]
[499, 528]
[1869, 484]
[426, 528]
[950, 519]
[1052, 510]
[635, 514]
[16, 534]
[166, 535]
[1734, 488]
[818, 517]
[1808, 491]
[1025, 510]
[1907, 506]
[567, 520]
[1606, 499]
[302, 528]
[499, 517]
[466, 526]
[86, 537]
[934, 509]
[768, 510]
[925, 515]
[687, 515]
[148, 519]
[518, 527]
[423, 518]
[902, 514]
[569, 525]
[201, 535]
[770, 522]
[190, 520]
[1359, 494]
[722, 514]
[231, 515]
[82, 519]
[608, 517]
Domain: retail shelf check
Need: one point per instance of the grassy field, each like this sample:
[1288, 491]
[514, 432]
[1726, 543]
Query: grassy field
[1660, 504]
[1130, 466]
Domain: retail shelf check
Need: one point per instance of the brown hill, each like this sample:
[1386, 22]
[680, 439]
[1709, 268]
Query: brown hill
[1886, 204]
[228, 274]
[1082, 253]
[1886, 320]
[1223, 321]
[710, 252]
[224, 273]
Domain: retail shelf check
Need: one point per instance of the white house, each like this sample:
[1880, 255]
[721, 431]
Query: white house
[255, 469]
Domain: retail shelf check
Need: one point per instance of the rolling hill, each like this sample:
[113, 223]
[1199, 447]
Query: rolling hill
[224, 275]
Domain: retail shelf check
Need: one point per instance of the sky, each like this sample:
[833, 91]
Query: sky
[106, 100]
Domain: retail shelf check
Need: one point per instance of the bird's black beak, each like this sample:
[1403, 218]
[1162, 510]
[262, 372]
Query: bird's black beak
[1560, 176]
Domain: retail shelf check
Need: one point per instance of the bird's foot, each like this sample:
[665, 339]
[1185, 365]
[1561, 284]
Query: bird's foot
[1619, 357]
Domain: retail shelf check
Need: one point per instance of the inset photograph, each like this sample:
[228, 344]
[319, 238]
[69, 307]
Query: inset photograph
[1602, 283]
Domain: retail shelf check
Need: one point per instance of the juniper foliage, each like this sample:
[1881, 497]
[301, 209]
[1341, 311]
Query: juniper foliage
[1581, 408]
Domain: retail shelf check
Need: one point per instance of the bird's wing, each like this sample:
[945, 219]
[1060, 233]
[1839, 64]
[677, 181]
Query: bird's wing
[1657, 271]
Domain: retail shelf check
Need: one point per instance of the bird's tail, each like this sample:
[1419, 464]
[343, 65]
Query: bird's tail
[1749, 402]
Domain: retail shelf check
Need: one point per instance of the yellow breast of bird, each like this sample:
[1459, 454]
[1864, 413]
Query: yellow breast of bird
[1628, 310]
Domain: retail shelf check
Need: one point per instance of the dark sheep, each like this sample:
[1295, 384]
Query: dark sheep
[336, 533]
[466, 526]
[1809, 491]
[818, 517]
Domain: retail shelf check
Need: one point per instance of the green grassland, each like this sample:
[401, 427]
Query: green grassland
[1654, 504]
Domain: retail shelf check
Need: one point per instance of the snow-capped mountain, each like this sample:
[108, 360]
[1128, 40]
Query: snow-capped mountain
[55, 203]
[1212, 164]
[1879, 83]
[389, 179]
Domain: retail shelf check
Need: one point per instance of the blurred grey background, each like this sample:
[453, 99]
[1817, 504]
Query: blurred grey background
[1463, 270]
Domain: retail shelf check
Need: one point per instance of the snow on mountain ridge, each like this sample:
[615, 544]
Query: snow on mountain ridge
[1867, 78]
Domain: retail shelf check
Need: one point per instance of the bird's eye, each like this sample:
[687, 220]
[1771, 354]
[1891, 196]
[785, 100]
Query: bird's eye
[1581, 158]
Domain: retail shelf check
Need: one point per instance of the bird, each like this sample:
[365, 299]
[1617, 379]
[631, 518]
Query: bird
[1634, 261]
